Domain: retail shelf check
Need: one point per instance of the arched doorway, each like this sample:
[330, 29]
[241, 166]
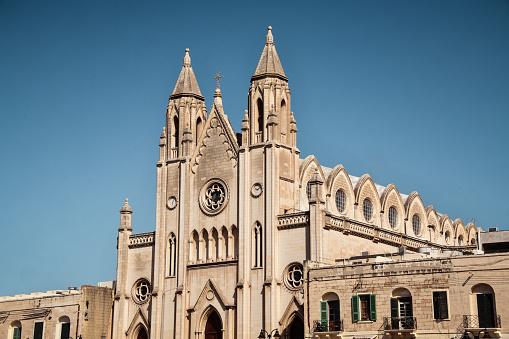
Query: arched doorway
[142, 334]
[297, 328]
[213, 328]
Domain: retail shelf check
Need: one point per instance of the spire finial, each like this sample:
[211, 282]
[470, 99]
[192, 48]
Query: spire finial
[217, 78]
[126, 208]
[270, 38]
[187, 58]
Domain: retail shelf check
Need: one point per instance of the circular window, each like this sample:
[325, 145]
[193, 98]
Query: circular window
[294, 275]
[416, 224]
[393, 217]
[367, 209]
[308, 190]
[141, 291]
[214, 196]
[447, 236]
[340, 201]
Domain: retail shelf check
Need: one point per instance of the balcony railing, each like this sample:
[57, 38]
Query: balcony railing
[328, 326]
[400, 323]
[476, 321]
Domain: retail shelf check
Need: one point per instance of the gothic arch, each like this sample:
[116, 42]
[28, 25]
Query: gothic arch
[471, 234]
[293, 310]
[415, 207]
[257, 245]
[339, 179]
[171, 254]
[307, 170]
[447, 230]
[366, 189]
[460, 233]
[214, 235]
[140, 332]
[202, 323]
[391, 198]
[432, 216]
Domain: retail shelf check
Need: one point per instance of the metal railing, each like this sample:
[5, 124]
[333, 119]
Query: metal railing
[328, 326]
[399, 323]
[475, 321]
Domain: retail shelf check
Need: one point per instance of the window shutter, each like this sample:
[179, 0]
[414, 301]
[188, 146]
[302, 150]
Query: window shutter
[485, 310]
[336, 310]
[17, 333]
[440, 309]
[38, 329]
[66, 330]
[324, 314]
[372, 307]
[355, 308]
[394, 308]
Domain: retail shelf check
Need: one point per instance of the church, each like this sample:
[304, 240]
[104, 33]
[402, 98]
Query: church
[241, 220]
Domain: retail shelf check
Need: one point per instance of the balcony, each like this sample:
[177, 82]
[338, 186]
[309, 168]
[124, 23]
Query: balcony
[399, 327]
[328, 329]
[484, 323]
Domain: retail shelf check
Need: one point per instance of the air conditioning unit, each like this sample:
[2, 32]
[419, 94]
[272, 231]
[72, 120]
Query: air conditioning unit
[401, 250]
[493, 229]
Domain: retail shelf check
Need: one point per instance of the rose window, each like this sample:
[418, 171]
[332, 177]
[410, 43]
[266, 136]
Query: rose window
[294, 276]
[213, 196]
[141, 291]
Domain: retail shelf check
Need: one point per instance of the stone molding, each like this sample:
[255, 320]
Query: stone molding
[293, 220]
[141, 240]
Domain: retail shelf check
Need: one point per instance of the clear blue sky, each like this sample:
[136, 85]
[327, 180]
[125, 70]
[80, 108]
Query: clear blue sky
[416, 93]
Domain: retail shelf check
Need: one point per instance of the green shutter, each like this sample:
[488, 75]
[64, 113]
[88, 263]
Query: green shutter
[372, 307]
[485, 310]
[355, 308]
[324, 314]
[17, 333]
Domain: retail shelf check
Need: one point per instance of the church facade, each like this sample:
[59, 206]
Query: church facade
[239, 215]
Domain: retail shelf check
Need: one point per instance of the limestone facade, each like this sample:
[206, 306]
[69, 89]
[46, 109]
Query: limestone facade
[75, 313]
[238, 214]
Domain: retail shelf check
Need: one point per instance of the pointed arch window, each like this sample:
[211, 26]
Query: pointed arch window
[367, 209]
[172, 252]
[257, 245]
[175, 131]
[259, 121]
[283, 117]
[198, 129]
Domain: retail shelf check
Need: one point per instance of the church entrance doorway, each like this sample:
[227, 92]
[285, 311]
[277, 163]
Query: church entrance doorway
[142, 334]
[297, 329]
[213, 328]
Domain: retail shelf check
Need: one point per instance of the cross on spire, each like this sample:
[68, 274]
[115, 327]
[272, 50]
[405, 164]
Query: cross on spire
[217, 78]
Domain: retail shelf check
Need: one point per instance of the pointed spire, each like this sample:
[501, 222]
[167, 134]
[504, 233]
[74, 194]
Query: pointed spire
[126, 208]
[269, 63]
[186, 83]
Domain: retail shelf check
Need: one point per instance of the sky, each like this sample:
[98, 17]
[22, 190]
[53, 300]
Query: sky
[415, 93]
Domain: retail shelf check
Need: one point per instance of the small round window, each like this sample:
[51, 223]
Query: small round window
[367, 209]
[416, 224]
[293, 276]
[340, 201]
[141, 291]
[393, 217]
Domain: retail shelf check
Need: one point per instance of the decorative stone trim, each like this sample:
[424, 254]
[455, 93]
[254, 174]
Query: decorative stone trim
[214, 196]
[141, 240]
[293, 220]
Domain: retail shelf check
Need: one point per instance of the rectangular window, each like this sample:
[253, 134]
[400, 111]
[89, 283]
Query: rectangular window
[440, 306]
[364, 307]
[38, 330]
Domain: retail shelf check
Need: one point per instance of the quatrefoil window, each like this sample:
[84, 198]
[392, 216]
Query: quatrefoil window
[214, 196]
[141, 291]
[293, 276]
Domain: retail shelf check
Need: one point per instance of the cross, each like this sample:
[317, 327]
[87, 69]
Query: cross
[217, 78]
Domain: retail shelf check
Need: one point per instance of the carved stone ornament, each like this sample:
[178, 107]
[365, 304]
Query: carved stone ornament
[256, 190]
[213, 196]
[293, 276]
[141, 291]
[172, 202]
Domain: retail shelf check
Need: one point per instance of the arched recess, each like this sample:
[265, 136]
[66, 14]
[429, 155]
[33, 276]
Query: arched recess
[365, 190]
[306, 171]
[199, 129]
[224, 242]
[204, 246]
[211, 324]
[259, 118]
[471, 234]
[401, 309]
[483, 304]
[460, 232]
[447, 230]
[434, 229]
[391, 198]
[294, 310]
[296, 328]
[172, 255]
[63, 329]
[339, 180]
[14, 331]
[416, 215]
[257, 245]
[330, 315]
[234, 241]
[215, 243]
[175, 130]
[194, 246]
[140, 332]
[283, 119]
